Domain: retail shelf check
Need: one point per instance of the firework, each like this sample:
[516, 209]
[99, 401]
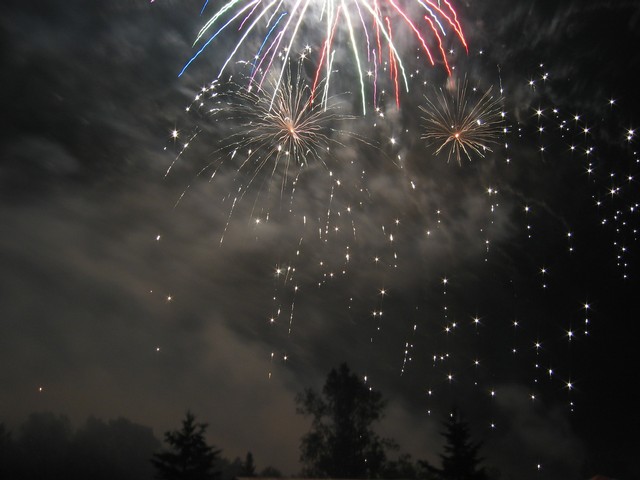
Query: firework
[460, 124]
[265, 134]
[279, 127]
[367, 26]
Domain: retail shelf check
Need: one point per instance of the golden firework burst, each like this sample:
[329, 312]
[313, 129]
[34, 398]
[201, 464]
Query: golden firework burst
[459, 124]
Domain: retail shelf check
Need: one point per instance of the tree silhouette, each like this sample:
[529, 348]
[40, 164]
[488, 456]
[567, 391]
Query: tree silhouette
[248, 467]
[7, 453]
[341, 443]
[191, 458]
[460, 459]
[44, 446]
[104, 450]
[271, 472]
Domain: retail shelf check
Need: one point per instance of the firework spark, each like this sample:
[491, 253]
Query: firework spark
[461, 125]
[368, 26]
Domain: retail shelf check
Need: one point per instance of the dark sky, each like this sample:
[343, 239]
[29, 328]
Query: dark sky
[116, 302]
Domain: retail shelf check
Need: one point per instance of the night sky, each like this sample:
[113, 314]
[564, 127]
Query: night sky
[118, 297]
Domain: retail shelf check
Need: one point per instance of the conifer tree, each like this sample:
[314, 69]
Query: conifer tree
[460, 459]
[249, 467]
[190, 458]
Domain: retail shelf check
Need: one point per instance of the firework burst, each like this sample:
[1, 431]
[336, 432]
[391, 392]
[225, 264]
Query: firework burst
[278, 129]
[283, 129]
[460, 124]
[367, 26]
[265, 137]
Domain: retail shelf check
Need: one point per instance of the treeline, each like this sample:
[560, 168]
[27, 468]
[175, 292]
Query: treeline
[46, 446]
[341, 443]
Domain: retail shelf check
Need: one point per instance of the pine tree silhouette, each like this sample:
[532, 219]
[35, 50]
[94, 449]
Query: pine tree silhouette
[249, 467]
[460, 459]
[191, 458]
